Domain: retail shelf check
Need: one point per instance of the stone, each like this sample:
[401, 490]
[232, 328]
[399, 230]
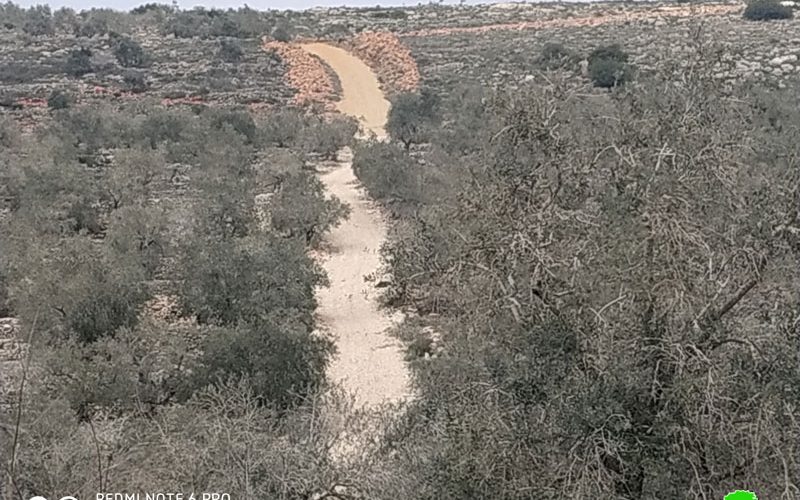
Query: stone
[781, 60]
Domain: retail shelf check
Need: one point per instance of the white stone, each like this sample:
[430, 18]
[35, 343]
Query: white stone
[781, 60]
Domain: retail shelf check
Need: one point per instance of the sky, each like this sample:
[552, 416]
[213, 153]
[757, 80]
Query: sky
[255, 4]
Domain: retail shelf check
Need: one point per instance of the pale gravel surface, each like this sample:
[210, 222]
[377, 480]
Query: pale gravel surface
[370, 362]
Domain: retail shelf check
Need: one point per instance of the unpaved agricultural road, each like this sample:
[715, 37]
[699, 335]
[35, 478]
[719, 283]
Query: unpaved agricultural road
[361, 93]
[369, 363]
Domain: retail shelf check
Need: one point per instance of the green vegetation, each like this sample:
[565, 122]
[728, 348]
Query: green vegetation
[555, 55]
[134, 81]
[281, 33]
[767, 10]
[129, 53]
[146, 204]
[608, 66]
[388, 172]
[58, 100]
[326, 137]
[601, 286]
[411, 116]
[584, 336]
[79, 62]
[741, 495]
[39, 21]
[230, 51]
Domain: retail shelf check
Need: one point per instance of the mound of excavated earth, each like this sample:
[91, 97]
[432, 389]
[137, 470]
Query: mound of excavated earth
[305, 73]
[389, 58]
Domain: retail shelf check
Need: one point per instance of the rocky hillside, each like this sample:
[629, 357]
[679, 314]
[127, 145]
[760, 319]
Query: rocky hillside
[744, 49]
[176, 68]
[440, 46]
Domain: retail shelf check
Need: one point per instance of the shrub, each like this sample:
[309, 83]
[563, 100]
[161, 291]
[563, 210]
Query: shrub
[247, 279]
[83, 216]
[14, 72]
[282, 127]
[163, 126]
[281, 33]
[111, 306]
[9, 133]
[239, 120]
[58, 99]
[5, 298]
[766, 10]
[129, 53]
[110, 373]
[79, 62]
[203, 23]
[325, 138]
[390, 13]
[281, 363]
[82, 292]
[39, 21]
[151, 7]
[555, 55]
[224, 25]
[186, 24]
[410, 117]
[138, 233]
[420, 346]
[98, 22]
[613, 52]
[387, 171]
[92, 25]
[230, 51]
[608, 66]
[135, 81]
[66, 20]
[88, 129]
[300, 208]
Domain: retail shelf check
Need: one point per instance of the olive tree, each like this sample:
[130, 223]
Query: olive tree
[248, 279]
[410, 117]
[604, 279]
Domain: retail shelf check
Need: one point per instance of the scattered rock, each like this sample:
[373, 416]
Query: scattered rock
[780, 61]
[305, 73]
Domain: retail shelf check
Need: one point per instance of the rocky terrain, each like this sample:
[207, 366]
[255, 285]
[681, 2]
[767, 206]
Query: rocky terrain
[11, 356]
[180, 69]
[509, 56]
[438, 45]
[499, 45]
[309, 77]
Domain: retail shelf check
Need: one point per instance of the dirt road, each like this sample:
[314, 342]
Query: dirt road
[370, 362]
[361, 93]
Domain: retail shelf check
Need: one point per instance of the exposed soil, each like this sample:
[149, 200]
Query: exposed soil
[361, 92]
[389, 58]
[305, 73]
[369, 363]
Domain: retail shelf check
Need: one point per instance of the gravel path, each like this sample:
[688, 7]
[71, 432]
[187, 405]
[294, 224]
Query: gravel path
[370, 363]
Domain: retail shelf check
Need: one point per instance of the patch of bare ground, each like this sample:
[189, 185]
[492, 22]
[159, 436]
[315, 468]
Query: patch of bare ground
[369, 364]
[389, 58]
[306, 74]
